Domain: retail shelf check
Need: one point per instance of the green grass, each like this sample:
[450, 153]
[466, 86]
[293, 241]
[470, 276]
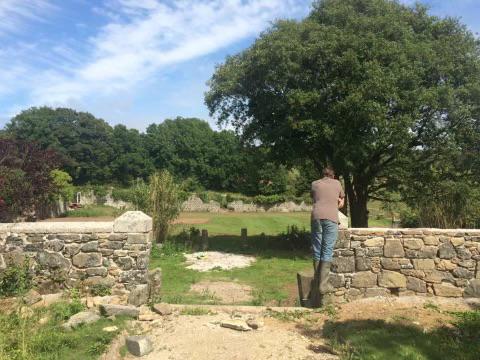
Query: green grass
[401, 339]
[256, 223]
[25, 338]
[196, 311]
[95, 211]
[272, 276]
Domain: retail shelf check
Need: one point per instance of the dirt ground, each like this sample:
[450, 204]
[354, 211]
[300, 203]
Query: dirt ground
[201, 337]
[210, 260]
[298, 336]
[226, 292]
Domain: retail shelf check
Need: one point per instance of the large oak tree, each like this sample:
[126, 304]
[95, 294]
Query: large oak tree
[362, 85]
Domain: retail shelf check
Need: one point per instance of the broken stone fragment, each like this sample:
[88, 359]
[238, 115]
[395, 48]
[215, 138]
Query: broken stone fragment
[119, 310]
[162, 309]
[110, 328]
[139, 345]
[84, 317]
[239, 325]
[255, 324]
[32, 297]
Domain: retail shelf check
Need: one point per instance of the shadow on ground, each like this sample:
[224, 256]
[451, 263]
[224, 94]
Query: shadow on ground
[285, 246]
[381, 340]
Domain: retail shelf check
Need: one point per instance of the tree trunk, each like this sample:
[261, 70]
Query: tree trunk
[357, 198]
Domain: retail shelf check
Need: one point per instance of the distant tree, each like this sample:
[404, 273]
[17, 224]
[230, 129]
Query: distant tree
[25, 178]
[84, 141]
[361, 85]
[131, 160]
[189, 148]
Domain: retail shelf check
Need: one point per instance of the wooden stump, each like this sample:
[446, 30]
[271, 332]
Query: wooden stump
[305, 282]
[244, 237]
[204, 240]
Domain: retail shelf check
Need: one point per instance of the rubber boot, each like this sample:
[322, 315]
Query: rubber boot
[324, 286]
[315, 299]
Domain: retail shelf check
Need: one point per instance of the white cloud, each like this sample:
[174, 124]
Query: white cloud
[143, 37]
[15, 13]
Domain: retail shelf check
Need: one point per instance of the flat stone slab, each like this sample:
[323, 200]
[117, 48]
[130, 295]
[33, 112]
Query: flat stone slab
[139, 345]
[84, 317]
[238, 325]
[119, 310]
[133, 222]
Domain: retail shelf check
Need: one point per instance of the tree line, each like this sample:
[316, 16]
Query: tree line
[386, 94]
[93, 152]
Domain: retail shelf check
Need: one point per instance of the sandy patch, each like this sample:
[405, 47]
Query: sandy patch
[210, 260]
[226, 292]
[190, 221]
[202, 337]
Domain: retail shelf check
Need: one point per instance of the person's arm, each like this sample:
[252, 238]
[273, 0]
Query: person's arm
[341, 196]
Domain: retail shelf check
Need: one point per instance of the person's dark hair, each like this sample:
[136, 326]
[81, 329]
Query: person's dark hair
[328, 172]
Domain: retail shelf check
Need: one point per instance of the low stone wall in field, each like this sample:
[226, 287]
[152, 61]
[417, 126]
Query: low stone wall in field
[111, 255]
[427, 262]
[195, 204]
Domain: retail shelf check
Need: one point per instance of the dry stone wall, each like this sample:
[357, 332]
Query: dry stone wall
[113, 255]
[426, 262]
[195, 204]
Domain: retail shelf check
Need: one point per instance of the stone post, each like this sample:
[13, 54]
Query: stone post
[138, 227]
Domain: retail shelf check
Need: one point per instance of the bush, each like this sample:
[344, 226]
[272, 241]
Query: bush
[63, 183]
[164, 203]
[295, 239]
[409, 219]
[100, 290]
[16, 280]
[137, 194]
[25, 178]
[192, 184]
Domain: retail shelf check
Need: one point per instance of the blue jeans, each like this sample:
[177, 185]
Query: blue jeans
[324, 237]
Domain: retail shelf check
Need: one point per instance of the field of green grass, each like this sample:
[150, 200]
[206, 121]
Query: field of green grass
[272, 276]
[256, 223]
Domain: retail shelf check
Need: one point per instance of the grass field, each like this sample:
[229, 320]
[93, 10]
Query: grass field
[37, 334]
[272, 276]
[256, 223]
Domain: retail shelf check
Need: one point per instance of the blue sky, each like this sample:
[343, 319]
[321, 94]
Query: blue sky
[136, 62]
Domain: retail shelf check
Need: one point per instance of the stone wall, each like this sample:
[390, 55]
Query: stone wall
[113, 255]
[195, 204]
[426, 262]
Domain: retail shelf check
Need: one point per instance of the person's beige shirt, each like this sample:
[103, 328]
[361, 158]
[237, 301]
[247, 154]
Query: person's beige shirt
[325, 195]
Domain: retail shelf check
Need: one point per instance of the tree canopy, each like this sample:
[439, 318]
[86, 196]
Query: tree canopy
[365, 86]
[26, 178]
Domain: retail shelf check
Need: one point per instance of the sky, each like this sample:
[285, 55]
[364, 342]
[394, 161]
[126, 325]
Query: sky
[137, 62]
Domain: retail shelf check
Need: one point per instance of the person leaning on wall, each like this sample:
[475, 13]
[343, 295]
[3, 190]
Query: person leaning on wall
[328, 196]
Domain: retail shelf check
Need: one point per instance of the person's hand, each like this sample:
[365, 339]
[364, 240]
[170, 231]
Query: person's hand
[341, 202]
